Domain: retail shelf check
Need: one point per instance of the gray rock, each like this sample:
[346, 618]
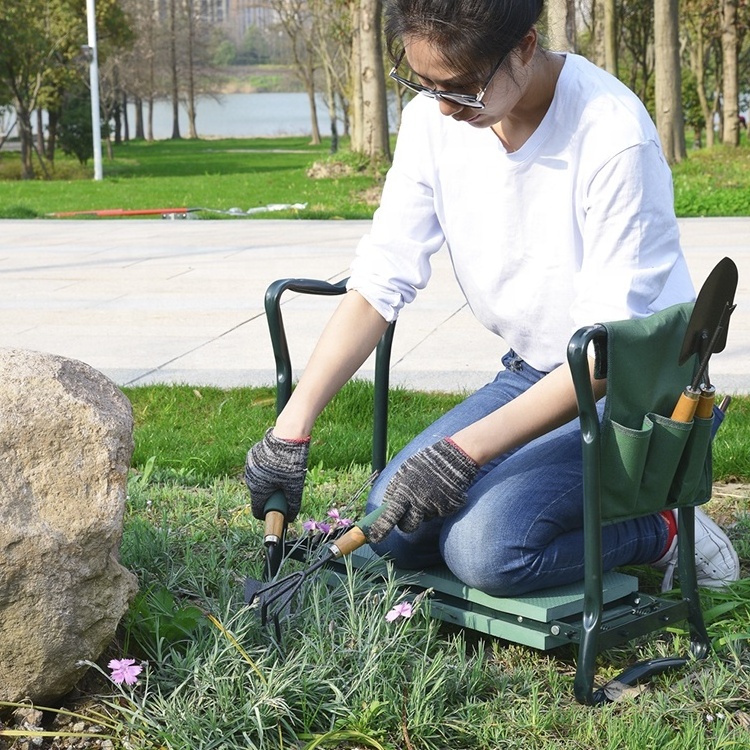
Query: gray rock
[66, 439]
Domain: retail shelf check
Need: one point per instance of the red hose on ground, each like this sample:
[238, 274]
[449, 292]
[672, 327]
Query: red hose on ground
[122, 212]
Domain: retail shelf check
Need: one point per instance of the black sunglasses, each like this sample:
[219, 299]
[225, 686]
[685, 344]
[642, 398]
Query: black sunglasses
[463, 100]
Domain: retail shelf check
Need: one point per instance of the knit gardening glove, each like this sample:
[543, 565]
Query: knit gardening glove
[431, 483]
[276, 464]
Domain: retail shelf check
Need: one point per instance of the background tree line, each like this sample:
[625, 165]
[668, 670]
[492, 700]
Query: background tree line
[688, 60]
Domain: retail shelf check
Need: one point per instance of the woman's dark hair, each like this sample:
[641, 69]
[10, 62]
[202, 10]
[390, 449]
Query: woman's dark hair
[471, 34]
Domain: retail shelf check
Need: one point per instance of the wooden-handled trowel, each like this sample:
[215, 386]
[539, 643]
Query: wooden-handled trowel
[706, 334]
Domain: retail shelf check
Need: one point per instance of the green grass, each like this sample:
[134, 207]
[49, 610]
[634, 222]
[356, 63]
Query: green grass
[714, 182]
[732, 444]
[200, 434]
[246, 173]
[344, 677]
[211, 174]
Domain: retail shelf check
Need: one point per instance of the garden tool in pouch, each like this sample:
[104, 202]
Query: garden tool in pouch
[706, 334]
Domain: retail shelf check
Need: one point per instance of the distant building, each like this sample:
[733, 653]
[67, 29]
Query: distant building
[239, 15]
[235, 15]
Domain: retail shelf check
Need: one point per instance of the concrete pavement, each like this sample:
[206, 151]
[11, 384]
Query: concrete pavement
[157, 301]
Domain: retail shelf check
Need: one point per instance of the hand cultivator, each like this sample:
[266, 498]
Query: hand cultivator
[274, 597]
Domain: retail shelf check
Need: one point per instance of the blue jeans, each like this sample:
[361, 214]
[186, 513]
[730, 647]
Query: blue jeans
[521, 529]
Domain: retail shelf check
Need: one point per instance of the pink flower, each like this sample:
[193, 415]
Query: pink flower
[338, 520]
[311, 525]
[125, 670]
[404, 609]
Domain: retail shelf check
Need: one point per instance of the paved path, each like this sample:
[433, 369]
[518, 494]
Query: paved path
[147, 301]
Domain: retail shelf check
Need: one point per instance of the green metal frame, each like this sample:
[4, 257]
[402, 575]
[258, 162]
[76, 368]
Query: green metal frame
[283, 359]
[655, 614]
[283, 363]
[603, 611]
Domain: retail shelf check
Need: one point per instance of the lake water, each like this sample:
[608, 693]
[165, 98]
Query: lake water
[241, 115]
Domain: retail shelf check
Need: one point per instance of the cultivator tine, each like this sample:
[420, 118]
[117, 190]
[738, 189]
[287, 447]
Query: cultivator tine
[274, 598]
[273, 603]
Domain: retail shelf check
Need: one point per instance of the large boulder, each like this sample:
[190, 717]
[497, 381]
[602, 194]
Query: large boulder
[66, 439]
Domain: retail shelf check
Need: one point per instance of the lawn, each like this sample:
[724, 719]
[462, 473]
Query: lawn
[219, 175]
[343, 675]
[212, 175]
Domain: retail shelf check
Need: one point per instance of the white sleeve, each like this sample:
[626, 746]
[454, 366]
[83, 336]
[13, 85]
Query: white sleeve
[631, 241]
[392, 262]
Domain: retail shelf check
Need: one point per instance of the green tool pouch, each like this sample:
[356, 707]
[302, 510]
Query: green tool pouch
[649, 461]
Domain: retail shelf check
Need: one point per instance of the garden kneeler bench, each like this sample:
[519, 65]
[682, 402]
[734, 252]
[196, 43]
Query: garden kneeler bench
[638, 461]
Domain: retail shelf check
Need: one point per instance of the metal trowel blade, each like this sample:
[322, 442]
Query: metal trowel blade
[716, 293]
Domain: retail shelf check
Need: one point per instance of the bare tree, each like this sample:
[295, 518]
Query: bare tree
[609, 30]
[669, 118]
[701, 30]
[730, 90]
[561, 25]
[370, 137]
[298, 21]
[174, 68]
[196, 58]
[333, 45]
[190, 61]
[636, 26]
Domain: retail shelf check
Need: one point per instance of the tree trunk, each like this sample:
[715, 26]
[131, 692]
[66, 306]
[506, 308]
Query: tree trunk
[730, 132]
[125, 119]
[40, 131]
[53, 116]
[597, 30]
[25, 136]
[668, 90]
[375, 141]
[117, 118]
[355, 97]
[344, 106]
[174, 69]
[150, 120]
[314, 126]
[192, 131]
[698, 66]
[561, 25]
[331, 104]
[715, 115]
[610, 36]
[139, 129]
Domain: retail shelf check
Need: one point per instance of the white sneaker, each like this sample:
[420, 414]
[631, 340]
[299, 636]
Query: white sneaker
[716, 562]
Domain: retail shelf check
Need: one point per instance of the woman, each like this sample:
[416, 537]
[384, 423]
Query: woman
[543, 177]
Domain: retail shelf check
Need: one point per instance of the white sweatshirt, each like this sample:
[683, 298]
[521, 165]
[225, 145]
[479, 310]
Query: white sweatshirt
[576, 227]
